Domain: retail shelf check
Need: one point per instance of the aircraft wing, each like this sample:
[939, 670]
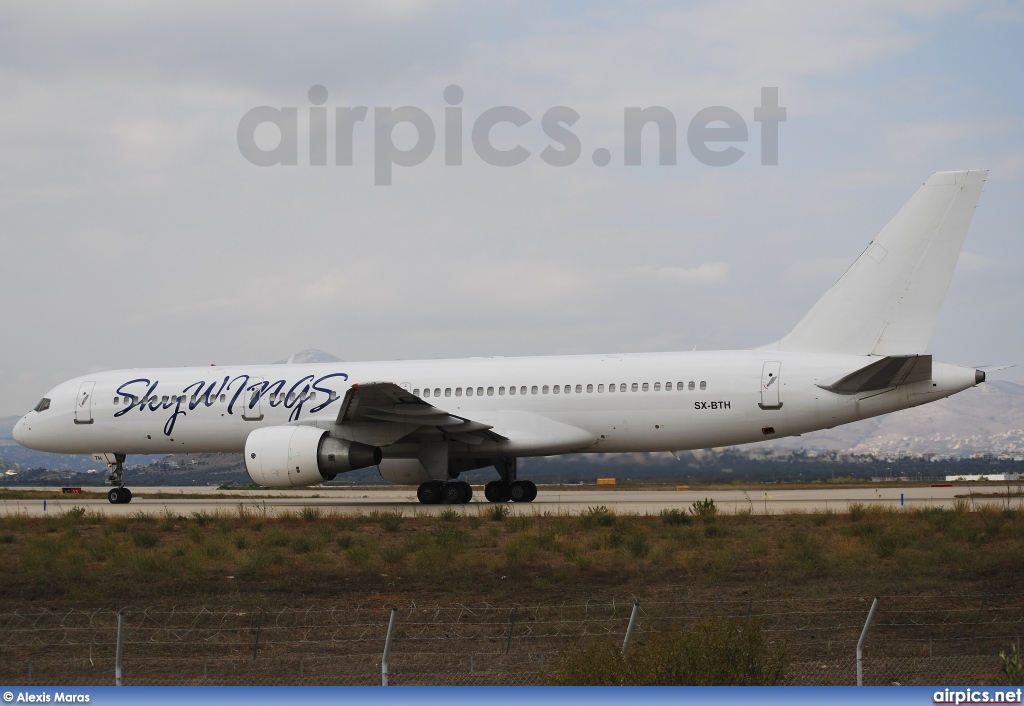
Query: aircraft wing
[376, 406]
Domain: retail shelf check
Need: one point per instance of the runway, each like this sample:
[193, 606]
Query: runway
[764, 501]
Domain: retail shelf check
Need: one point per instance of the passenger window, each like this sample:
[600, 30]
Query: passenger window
[590, 387]
[117, 401]
[479, 392]
[555, 389]
[668, 386]
[622, 387]
[501, 390]
[600, 388]
[703, 385]
[611, 387]
[426, 392]
[512, 390]
[437, 392]
[545, 390]
[522, 390]
[163, 400]
[458, 392]
[690, 386]
[635, 387]
[490, 392]
[657, 387]
[579, 389]
[416, 392]
[312, 397]
[334, 395]
[533, 390]
[646, 387]
[447, 392]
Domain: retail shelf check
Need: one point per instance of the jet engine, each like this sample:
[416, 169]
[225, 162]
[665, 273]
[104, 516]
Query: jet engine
[289, 456]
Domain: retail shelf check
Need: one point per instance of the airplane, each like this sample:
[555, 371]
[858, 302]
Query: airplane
[859, 352]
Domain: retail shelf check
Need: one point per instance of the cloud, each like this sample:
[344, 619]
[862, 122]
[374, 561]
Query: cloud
[708, 273]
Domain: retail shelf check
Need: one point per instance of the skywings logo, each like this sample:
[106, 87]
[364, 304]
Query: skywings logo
[239, 393]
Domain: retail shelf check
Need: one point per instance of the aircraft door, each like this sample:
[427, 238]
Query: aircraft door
[252, 410]
[770, 385]
[83, 405]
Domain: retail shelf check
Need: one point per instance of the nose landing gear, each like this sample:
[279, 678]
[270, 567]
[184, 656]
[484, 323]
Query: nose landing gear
[118, 495]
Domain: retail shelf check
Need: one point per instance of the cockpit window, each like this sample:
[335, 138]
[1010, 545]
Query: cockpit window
[44, 404]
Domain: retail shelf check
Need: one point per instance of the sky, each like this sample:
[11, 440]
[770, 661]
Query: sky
[135, 232]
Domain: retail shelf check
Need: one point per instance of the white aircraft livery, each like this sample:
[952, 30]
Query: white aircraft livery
[859, 352]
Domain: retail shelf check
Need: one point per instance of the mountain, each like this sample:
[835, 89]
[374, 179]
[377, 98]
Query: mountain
[988, 418]
[310, 355]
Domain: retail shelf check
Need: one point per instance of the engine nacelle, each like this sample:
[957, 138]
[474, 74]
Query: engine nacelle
[289, 456]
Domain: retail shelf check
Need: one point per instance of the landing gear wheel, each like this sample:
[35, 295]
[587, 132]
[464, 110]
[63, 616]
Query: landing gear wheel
[467, 491]
[118, 496]
[453, 493]
[496, 492]
[519, 492]
[532, 488]
[429, 493]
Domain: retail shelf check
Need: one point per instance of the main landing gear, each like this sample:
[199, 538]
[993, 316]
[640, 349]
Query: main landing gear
[451, 493]
[117, 495]
[518, 491]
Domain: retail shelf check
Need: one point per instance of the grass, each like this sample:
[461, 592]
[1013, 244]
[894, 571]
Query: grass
[76, 556]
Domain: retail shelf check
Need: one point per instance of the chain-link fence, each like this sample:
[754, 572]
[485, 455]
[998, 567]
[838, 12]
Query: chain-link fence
[913, 640]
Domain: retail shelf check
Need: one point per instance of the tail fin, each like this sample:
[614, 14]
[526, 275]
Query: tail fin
[888, 301]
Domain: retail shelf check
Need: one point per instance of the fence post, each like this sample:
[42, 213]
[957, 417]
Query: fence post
[629, 628]
[387, 648]
[118, 681]
[860, 642]
[977, 620]
[259, 627]
[511, 628]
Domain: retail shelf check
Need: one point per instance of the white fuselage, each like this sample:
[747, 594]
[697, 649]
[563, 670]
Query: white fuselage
[660, 402]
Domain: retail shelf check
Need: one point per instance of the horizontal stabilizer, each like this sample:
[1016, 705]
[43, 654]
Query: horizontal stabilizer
[890, 371]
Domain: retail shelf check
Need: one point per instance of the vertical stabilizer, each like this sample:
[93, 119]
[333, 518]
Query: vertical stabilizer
[888, 301]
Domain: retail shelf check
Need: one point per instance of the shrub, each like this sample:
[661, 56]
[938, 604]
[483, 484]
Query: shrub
[311, 514]
[637, 546]
[858, 511]
[705, 509]
[75, 513]
[497, 512]
[717, 652]
[391, 521]
[675, 516]
[146, 540]
[451, 538]
[600, 516]
[449, 515]
[358, 555]
[1012, 667]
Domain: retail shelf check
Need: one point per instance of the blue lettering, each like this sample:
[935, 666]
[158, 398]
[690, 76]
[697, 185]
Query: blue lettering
[134, 400]
[326, 391]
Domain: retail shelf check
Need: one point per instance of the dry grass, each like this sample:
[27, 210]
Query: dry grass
[95, 559]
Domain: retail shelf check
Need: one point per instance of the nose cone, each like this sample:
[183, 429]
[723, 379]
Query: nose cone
[19, 431]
